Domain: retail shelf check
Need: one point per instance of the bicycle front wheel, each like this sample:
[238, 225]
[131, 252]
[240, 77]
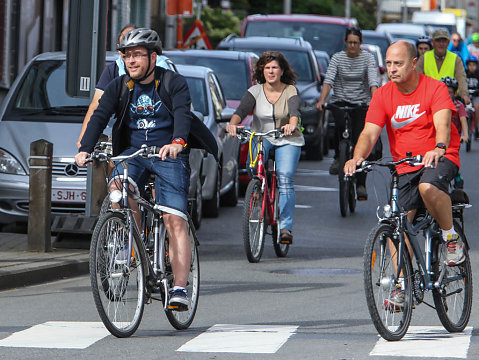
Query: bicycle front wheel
[118, 290]
[453, 298]
[253, 221]
[281, 250]
[181, 320]
[343, 184]
[389, 299]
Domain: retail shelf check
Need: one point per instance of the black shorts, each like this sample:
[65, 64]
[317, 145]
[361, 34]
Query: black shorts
[440, 177]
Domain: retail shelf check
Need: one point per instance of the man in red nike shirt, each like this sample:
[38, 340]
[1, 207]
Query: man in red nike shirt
[416, 111]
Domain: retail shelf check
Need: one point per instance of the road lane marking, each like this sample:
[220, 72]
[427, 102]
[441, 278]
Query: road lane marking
[57, 335]
[427, 341]
[313, 188]
[311, 172]
[251, 339]
[298, 206]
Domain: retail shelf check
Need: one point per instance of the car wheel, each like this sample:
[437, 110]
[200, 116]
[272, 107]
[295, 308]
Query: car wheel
[211, 207]
[231, 197]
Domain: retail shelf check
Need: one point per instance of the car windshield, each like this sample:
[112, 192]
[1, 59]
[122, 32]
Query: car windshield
[231, 73]
[198, 94]
[322, 36]
[43, 91]
[382, 42]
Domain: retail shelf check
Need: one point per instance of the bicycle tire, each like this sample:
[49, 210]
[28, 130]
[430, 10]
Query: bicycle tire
[390, 321]
[454, 310]
[253, 221]
[281, 250]
[181, 320]
[343, 184]
[118, 291]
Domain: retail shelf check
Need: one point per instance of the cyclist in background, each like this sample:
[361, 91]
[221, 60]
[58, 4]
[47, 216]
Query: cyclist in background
[459, 47]
[275, 104]
[423, 44]
[472, 76]
[352, 74]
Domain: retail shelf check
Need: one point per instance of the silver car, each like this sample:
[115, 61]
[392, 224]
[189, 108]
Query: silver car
[37, 107]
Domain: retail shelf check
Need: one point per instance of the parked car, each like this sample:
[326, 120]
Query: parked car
[323, 32]
[220, 180]
[235, 73]
[376, 51]
[323, 61]
[377, 38]
[300, 55]
[402, 31]
[37, 107]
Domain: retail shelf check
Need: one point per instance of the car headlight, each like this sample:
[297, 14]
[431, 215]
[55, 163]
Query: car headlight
[10, 165]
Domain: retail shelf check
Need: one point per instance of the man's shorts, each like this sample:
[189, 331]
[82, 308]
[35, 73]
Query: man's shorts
[440, 177]
[172, 180]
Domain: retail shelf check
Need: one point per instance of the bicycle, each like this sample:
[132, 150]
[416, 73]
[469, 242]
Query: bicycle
[347, 193]
[261, 204]
[122, 288]
[388, 265]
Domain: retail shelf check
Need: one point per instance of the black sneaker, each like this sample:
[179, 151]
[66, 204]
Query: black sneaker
[361, 192]
[178, 300]
[334, 168]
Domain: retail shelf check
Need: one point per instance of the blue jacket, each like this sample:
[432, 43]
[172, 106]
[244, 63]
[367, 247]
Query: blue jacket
[461, 51]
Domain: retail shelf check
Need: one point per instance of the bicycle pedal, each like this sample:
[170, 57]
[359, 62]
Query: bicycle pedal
[178, 307]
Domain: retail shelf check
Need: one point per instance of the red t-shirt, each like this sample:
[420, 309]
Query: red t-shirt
[409, 119]
[460, 112]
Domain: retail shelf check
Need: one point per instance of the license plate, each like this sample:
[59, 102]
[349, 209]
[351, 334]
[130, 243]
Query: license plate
[68, 195]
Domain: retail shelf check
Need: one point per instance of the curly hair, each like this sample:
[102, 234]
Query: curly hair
[288, 77]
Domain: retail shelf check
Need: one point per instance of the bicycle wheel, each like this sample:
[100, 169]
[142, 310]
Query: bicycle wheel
[281, 250]
[253, 221]
[118, 290]
[181, 320]
[453, 298]
[352, 196]
[380, 263]
[343, 184]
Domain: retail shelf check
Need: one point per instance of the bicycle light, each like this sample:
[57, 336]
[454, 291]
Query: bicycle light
[387, 211]
[115, 196]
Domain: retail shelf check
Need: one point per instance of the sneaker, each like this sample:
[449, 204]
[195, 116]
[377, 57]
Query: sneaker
[395, 301]
[361, 193]
[455, 250]
[286, 237]
[178, 300]
[334, 168]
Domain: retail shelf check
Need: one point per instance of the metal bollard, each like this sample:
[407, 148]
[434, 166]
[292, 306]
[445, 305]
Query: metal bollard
[39, 216]
[95, 185]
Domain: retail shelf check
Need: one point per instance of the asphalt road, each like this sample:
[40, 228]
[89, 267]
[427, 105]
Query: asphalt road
[309, 305]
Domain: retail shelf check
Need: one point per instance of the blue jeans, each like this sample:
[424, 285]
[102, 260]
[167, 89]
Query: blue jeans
[172, 179]
[287, 158]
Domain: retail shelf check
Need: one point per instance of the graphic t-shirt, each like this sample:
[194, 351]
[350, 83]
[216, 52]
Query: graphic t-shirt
[150, 122]
[409, 119]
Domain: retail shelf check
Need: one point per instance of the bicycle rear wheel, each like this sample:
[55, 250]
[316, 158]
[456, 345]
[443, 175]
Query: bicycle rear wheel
[118, 290]
[453, 298]
[281, 250]
[352, 196]
[343, 184]
[253, 221]
[181, 320]
[380, 262]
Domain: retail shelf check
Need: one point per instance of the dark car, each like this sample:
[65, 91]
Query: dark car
[300, 55]
[377, 38]
[235, 73]
[323, 61]
[323, 32]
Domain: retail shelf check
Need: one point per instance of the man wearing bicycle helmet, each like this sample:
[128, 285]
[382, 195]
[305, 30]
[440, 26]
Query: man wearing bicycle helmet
[472, 76]
[423, 44]
[416, 111]
[151, 112]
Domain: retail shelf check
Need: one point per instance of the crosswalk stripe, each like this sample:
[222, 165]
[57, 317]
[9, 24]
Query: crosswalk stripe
[427, 341]
[227, 338]
[57, 335]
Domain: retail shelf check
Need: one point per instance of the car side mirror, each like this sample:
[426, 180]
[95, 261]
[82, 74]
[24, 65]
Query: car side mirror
[226, 114]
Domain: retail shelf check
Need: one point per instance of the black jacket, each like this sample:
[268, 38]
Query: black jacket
[173, 92]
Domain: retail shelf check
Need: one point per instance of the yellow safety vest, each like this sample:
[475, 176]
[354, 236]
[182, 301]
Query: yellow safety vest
[447, 68]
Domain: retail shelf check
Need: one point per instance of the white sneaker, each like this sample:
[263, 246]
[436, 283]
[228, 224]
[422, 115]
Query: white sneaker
[455, 250]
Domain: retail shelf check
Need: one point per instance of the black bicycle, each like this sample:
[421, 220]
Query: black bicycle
[388, 265]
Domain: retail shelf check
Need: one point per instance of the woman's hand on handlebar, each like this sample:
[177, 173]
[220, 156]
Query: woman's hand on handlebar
[351, 165]
[288, 129]
[231, 129]
[319, 105]
[81, 158]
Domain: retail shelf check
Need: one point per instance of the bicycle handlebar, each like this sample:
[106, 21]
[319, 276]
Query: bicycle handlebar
[242, 133]
[100, 153]
[334, 106]
[367, 166]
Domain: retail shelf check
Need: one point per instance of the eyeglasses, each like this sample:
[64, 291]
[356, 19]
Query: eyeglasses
[455, 40]
[352, 43]
[135, 56]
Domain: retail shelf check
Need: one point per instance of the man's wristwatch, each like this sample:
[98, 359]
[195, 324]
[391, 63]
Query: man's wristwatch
[441, 146]
[180, 141]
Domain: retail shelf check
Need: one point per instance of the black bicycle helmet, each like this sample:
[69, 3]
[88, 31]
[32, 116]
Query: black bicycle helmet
[141, 37]
[450, 82]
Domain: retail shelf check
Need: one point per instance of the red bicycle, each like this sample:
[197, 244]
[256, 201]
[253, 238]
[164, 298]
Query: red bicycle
[261, 201]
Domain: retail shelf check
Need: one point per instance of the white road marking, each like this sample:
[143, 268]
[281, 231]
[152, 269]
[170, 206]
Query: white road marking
[313, 188]
[57, 335]
[298, 206]
[427, 341]
[256, 339]
[311, 172]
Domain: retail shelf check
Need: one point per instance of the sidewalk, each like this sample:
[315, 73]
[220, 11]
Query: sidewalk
[19, 267]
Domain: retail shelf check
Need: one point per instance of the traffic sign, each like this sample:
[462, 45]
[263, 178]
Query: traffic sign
[173, 6]
[196, 37]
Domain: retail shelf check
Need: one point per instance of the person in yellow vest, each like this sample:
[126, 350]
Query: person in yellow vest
[439, 62]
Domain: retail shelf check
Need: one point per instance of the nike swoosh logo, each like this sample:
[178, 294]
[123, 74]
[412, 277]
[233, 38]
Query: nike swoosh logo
[399, 124]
